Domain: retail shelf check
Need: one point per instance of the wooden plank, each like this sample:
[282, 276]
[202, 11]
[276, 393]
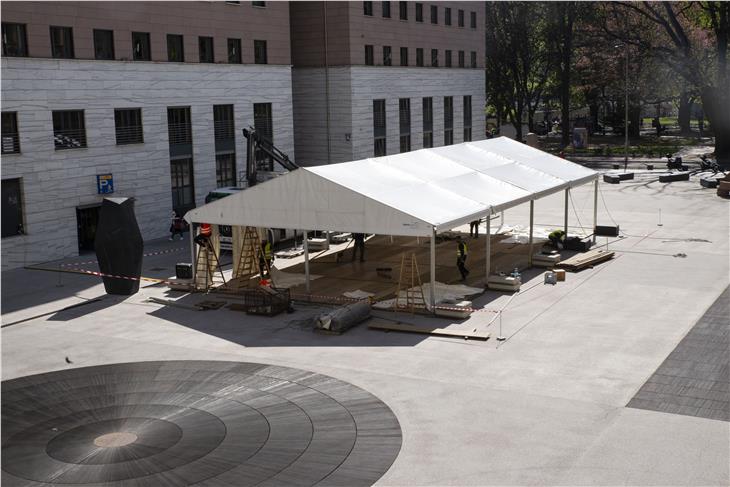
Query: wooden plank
[586, 259]
[430, 330]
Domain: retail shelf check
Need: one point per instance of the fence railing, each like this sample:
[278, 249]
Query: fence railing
[69, 139]
[10, 143]
[180, 133]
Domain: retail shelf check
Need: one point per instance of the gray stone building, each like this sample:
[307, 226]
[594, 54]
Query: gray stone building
[378, 78]
[146, 97]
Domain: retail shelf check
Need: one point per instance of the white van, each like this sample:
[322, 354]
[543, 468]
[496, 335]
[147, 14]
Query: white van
[275, 235]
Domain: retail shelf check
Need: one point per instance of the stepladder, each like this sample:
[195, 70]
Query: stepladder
[250, 262]
[208, 272]
[409, 294]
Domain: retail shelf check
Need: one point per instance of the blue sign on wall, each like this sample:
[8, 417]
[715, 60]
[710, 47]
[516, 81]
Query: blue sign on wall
[104, 184]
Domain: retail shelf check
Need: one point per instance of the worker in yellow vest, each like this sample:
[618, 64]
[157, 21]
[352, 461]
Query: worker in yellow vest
[265, 258]
[461, 253]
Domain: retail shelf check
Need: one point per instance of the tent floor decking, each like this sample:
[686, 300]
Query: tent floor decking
[340, 274]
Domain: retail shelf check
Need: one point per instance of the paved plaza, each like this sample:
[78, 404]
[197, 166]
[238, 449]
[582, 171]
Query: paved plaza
[546, 406]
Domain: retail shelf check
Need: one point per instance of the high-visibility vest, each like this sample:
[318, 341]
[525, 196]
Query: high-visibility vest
[459, 247]
[267, 250]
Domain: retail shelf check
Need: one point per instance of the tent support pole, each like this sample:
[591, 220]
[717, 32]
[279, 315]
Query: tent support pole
[565, 223]
[192, 249]
[306, 261]
[432, 293]
[489, 248]
[532, 219]
[595, 209]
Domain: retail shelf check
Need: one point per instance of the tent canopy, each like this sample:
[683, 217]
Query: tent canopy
[411, 193]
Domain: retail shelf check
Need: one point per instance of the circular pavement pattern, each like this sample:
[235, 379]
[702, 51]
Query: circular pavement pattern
[206, 423]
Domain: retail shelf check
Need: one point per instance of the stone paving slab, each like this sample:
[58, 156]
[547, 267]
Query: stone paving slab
[694, 379]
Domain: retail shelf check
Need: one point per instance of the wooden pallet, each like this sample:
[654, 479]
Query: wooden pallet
[586, 259]
[430, 330]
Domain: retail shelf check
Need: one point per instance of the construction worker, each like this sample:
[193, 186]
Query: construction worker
[461, 253]
[557, 239]
[359, 240]
[474, 228]
[265, 258]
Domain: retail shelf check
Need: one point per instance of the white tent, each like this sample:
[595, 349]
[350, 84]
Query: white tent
[415, 193]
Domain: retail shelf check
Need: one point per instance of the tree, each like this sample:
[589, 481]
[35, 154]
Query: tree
[563, 23]
[691, 38]
[518, 61]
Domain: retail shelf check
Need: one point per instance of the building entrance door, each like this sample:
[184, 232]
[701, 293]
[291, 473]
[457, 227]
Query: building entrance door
[87, 219]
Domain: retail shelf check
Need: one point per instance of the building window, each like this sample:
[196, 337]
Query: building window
[447, 58]
[223, 123]
[379, 128]
[434, 57]
[386, 10]
[205, 50]
[369, 56]
[387, 56]
[175, 48]
[367, 8]
[448, 120]
[128, 125]
[103, 44]
[259, 52]
[404, 112]
[225, 170]
[473, 20]
[62, 42]
[403, 7]
[141, 46]
[234, 51]
[264, 126]
[183, 189]
[428, 122]
[404, 56]
[467, 118]
[258, 4]
[461, 18]
[10, 136]
[12, 208]
[419, 12]
[473, 57]
[233, 2]
[69, 130]
[447, 16]
[434, 14]
[419, 56]
[461, 59]
[179, 129]
[15, 43]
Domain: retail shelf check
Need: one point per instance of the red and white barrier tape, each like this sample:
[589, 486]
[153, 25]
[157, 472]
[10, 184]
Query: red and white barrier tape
[149, 254]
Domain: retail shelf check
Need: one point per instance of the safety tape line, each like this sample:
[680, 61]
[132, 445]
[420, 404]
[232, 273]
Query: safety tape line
[114, 276]
[149, 254]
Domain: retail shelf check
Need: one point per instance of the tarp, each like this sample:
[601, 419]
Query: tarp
[411, 193]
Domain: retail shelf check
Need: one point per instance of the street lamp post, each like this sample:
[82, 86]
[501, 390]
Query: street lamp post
[626, 109]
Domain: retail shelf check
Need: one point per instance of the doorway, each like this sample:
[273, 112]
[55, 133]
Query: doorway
[87, 219]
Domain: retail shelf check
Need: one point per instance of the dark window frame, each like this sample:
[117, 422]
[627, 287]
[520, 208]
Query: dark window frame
[260, 49]
[20, 49]
[404, 123]
[183, 195]
[128, 126]
[434, 14]
[387, 56]
[403, 10]
[447, 16]
[434, 58]
[179, 126]
[175, 48]
[419, 12]
[448, 120]
[380, 133]
[461, 59]
[12, 207]
[205, 42]
[264, 126]
[427, 107]
[141, 46]
[460, 18]
[235, 56]
[103, 52]
[404, 56]
[473, 20]
[447, 58]
[369, 55]
[473, 59]
[385, 7]
[224, 123]
[225, 169]
[419, 57]
[69, 129]
[467, 113]
[66, 49]
[258, 4]
[367, 8]
[10, 133]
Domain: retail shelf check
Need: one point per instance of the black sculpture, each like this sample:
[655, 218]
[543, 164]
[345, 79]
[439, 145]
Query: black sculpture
[119, 246]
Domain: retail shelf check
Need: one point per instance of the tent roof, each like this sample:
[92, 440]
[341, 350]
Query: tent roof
[404, 194]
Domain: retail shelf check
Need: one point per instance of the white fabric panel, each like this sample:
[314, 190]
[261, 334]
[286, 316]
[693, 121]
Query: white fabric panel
[402, 194]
